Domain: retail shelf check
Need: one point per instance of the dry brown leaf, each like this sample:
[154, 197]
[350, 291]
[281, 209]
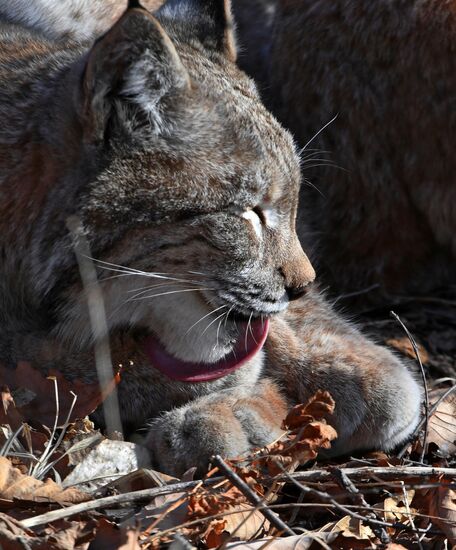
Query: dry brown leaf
[443, 506]
[68, 535]
[442, 424]
[307, 433]
[139, 480]
[215, 534]
[299, 542]
[110, 537]
[202, 504]
[37, 403]
[349, 527]
[319, 407]
[16, 485]
[299, 448]
[246, 523]
[395, 508]
[165, 512]
[404, 345]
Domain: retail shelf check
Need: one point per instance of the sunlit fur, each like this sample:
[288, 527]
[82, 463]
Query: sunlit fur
[159, 144]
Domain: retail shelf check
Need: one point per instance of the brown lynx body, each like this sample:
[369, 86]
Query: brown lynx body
[187, 190]
[385, 216]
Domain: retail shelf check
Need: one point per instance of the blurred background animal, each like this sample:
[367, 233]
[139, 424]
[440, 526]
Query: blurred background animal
[368, 90]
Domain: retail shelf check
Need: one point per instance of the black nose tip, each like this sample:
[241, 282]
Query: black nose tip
[295, 292]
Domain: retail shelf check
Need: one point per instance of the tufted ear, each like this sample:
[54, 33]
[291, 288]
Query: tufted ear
[209, 21]
[131, 69]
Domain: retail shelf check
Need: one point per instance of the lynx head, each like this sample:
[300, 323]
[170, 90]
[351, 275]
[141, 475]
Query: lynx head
[190, 185]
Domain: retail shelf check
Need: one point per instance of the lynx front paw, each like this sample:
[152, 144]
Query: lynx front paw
[221, 424]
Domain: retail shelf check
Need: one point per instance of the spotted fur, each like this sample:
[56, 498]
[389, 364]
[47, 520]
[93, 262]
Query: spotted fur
[159, 144]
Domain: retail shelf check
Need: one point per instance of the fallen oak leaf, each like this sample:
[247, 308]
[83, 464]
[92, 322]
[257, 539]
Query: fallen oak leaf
[240, 521]
[300, 448]
[319, 407]
[216, 534]
[37, 395]
[442, 501]
[396, 509]
[16, 485]
[349, 527]
[442, 424]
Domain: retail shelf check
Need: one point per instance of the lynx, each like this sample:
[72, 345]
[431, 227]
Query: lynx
[187, 189]
[383, 216]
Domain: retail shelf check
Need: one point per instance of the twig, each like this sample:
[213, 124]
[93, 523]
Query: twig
[357, 497]
[326, 497]
[99, 326]
[423, 375]
[410, 515]
[390, 474]
[251, 495]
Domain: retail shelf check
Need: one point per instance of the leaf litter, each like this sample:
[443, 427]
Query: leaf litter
[407, 504]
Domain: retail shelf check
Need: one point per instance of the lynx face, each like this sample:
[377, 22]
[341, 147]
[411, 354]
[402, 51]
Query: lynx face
[200, 184]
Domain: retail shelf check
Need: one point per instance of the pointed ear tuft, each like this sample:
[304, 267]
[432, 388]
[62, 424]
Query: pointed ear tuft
[133, 66]
[210, 21]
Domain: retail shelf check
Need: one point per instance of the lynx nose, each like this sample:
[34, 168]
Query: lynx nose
[297, 273]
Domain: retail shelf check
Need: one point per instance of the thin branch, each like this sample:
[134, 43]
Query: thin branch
[357, 497]
[251, 495]
[326, 497]
[390, 474]
[423, 375]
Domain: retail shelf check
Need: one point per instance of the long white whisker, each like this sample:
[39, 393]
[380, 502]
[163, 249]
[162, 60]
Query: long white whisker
[129, 270]
[308, 182]
[247, 331]
[328, 164]
[228, 314]
[319, 132]
[167, 294]
[204, 317]
[251, 332]
[218, 330]
[144, 291]
[212, 322]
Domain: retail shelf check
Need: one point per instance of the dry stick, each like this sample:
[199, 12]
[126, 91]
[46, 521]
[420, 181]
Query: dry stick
[431, 412]
[326, 505]
[388, 473]
[326, 497]
[410, 515]
[99, 326]
[357, 497]
[391, 474]
[251, 495]
[423, 375]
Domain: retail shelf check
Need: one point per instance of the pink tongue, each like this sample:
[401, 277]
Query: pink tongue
[250, 342]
